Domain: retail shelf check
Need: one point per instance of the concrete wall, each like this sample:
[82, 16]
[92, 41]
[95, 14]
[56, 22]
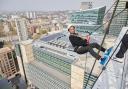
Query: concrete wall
[77, 77]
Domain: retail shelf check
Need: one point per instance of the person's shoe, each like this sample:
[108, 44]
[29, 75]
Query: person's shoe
[120, 60]
[106, 56]
[103, 60]
[119, 55]
[108, 51]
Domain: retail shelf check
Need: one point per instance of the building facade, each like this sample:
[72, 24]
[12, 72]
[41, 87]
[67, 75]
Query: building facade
[31, 15]
[92, 16]
[22, 30]
[121, 20]
[87, 20]
[44, 69]
[8, 62]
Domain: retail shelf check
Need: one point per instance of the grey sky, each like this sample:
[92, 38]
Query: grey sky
[47, 5]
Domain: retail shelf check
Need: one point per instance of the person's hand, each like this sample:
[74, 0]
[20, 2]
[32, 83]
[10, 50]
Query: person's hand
[87, 38]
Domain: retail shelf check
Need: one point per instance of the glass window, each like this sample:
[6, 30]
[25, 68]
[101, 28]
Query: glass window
[9, 55]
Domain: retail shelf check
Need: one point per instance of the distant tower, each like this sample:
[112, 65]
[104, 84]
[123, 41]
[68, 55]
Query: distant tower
[34, 15]
[85, 5]
[21, 29]
[27, 15]
[31, 15]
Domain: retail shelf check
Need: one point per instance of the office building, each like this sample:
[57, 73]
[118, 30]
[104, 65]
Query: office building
[90, 16]
[87, 20]
[85, 5]
[121, 20]
[43, 72]
[23, 55]
[22, 31]
[8, 62]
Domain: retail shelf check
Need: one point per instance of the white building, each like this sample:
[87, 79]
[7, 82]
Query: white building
[31, 15]
[22, 30]
[8, 64]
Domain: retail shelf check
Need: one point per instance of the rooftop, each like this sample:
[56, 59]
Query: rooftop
[59, 43]
[5, 49]
[26, 42]
[91, 9]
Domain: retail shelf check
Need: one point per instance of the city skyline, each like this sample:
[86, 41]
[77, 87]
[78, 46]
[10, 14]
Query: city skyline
[48, 5]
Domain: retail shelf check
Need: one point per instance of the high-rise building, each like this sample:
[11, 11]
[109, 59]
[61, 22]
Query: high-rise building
[85, 5]
[27, 55]
[8, 62]
[121, 19]
[22, 53]
[43, 72]
[22, 30]
[87, 20]
[31, 15]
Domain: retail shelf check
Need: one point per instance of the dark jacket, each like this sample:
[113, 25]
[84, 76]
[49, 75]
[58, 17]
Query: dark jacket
[77, 41]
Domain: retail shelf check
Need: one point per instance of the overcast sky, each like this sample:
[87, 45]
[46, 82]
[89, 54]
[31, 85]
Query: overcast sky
[47, 5]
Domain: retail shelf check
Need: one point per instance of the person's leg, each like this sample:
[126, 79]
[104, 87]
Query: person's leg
[123, 47]
[82, 50]
[95, 45]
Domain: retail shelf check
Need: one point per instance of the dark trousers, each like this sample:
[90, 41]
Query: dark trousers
[123, 47]
[89, 48]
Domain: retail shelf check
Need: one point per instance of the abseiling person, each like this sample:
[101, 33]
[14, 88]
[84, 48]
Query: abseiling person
[81, 45]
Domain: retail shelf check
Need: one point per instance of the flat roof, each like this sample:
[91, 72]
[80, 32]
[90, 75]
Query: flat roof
[5, 49]
[89, 9]
[27, 42]
[59, 43]
[89, 25]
